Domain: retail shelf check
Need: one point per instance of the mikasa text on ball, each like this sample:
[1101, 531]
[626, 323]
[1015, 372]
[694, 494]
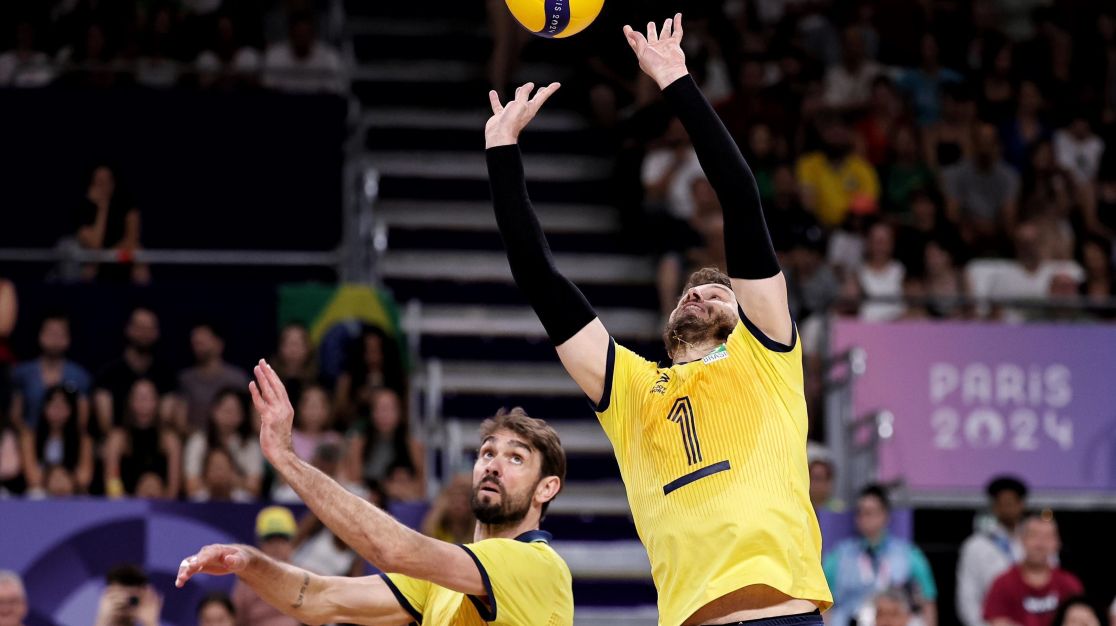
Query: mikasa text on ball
[555, 18]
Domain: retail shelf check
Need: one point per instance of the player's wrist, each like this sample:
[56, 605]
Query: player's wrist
[495, 140]
[667, 77]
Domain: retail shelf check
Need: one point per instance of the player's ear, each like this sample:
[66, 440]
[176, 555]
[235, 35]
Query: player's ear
[547, 489]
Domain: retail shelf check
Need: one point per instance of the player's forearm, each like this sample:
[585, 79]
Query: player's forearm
[748, 250]
[369, 531]
[294, 591]
[560, 305]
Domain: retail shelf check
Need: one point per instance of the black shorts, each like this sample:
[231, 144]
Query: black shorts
[813, 618]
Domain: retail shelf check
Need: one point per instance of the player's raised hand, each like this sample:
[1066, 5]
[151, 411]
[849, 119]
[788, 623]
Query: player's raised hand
[660, 53]
[508, 120]
[276, 413]
[215, 560]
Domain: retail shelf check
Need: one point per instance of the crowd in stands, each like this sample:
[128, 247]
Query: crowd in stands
[953, 151]
[208, 44]
[1008, 572]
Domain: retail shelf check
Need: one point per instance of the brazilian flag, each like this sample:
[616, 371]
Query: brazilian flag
[336, 314]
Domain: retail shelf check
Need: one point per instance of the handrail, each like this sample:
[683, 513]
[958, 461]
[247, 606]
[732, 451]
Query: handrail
[155, 256]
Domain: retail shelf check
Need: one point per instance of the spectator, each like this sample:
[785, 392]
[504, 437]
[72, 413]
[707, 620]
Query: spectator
[904, 174]
[1100, 207]
[992, 548]
[229, 428]
[822, 471]
[275, 532]
[892, 608]
[115, 380]
[58, 439]
[1028, 277]
[1078, 150]
[13, 599]
[142, 445]
[848, 84]
[25, 66]
[997, 92]
[312, 422]
[227, 62]
[835, 180]
[30, 380]
[128, 598]
[303, 63]
[9, 312]
[216, 609]
[950, 139]
[383, 441]
[12, 480]
[764, 153]
[1029, 593]
[943, 281]
[451, 517]
[199, 385]
[373, 362]
[106, 220]
[1096, 259]
[221, 479]
[294, 361]
[695, 243]
[924, 84]
[60, 482]
[1026, 128]
[669, 171]
[787, 220]
[1077, 611]
[881, 276]
[150, 486]
[157, 65]
[856, 568]
[982, 193]
[1048, 198]
[885, 115]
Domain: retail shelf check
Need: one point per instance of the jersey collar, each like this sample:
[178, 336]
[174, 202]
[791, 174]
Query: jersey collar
[535, 536]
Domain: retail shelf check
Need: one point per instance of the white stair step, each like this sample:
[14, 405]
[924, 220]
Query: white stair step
[605, 560]
[481, 377]
[478, 216]
[451, 71]
[578, 436]
[472, 165]
[453, 119]
[487, 321]
[603, 498]
[469, 266]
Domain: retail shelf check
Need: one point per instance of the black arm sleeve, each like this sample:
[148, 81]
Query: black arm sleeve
[748, 250]
[560, 305]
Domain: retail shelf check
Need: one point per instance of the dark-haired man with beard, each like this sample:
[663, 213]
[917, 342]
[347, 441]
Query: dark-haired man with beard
[508, 575]
[712, 449]
[115, 380]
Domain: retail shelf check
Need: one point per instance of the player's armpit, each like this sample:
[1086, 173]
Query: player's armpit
[765, 303]
[366, 600]
[585, 357]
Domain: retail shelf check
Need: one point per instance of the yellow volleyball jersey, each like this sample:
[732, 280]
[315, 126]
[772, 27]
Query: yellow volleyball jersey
[526, 580]
[713, 457]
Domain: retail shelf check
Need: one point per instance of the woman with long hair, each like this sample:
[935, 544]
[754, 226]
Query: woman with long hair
[58, 440]
[229, 427]
[382, 441]
[143, 445]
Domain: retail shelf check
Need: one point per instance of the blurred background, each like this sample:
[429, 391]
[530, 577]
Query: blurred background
[188, 186]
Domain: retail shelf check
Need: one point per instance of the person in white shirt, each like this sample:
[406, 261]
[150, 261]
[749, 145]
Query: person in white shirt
[303, 64]
[881, 276]
[992, 548]
[24, 66]
[848, 85]
[1079, 150]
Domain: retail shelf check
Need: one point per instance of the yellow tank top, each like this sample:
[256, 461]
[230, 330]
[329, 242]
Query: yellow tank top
[713, 457]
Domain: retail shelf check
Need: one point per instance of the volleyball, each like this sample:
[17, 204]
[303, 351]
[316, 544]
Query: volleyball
[555, 18]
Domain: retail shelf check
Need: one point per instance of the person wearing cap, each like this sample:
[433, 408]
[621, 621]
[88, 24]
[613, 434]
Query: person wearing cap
[509, 575]
[992, 548]
[275, 532]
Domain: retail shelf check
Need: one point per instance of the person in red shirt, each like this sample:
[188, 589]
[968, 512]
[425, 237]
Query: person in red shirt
[1029, 593]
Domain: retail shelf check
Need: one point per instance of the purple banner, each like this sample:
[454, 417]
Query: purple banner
[973, 400]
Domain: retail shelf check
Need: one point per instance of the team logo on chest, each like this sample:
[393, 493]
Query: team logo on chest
[716, 355]
[660, 385]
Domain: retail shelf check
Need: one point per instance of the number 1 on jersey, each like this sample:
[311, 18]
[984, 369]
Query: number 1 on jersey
[682, 413]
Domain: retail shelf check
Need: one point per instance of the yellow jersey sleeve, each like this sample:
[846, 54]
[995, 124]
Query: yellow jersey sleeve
[779, 365]
[623, 369]
[527, 583]
[411, 593]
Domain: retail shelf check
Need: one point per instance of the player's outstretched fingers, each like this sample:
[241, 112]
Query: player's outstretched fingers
[277, 386]
[543, 94]
[652, 36]
[494, 100]
[665, 32]
[523, 92]
[678, 25]
[186, 570]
